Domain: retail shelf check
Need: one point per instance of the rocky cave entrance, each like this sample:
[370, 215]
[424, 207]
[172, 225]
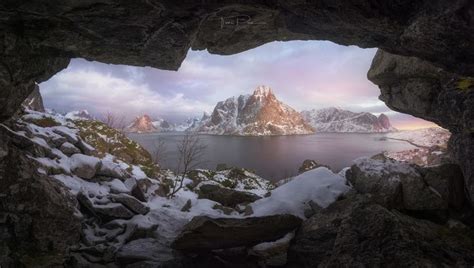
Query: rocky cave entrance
[424, 67]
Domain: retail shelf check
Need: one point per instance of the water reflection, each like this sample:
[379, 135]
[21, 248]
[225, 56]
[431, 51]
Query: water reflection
[277, 157]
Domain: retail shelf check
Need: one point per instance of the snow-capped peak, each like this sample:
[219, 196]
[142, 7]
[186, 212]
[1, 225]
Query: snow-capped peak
[81, 114]
[262, 91]
[142, 124]
[339, 120]
[258, 114]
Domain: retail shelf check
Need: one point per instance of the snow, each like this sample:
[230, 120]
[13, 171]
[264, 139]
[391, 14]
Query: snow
[269, 245]
[117, 186]
[138, 173]
[69, 133]
[245, 116]
[80, 160]
[380, 167]
[424, 137]
[338, 120]
[78, 115]
[76, 185]
[320, 185]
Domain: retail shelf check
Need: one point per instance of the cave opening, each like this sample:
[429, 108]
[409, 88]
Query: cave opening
[80, 192]
[326, 83]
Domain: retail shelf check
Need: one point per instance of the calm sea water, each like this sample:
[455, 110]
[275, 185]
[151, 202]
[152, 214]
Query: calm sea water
[276, 157]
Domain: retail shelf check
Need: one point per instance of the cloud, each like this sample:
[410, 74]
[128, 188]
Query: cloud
[304, 74]
[104, 92]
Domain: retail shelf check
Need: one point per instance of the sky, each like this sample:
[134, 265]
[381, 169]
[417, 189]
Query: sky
[303, 74]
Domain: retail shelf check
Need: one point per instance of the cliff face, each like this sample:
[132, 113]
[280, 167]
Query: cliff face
[258, 114]
[142, 124]
[34, 101]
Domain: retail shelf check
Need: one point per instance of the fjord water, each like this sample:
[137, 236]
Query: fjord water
[276, 157]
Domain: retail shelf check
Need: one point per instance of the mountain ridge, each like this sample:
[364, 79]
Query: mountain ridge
[334, 119]
[256, 114]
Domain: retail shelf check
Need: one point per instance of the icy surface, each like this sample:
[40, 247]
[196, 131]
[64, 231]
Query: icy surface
[319, 185]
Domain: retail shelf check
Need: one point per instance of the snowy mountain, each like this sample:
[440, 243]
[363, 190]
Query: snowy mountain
[258, 114]
[145, 124]
[339, 120]
[82, 114]
[191, 123]
[142, 124]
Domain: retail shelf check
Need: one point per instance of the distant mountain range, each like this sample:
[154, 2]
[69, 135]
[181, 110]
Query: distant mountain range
[145, 124]
[256, 114]
[261, 114]
[339, 120]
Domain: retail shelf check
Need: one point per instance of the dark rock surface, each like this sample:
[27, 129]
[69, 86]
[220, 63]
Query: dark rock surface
[203, 233]
[38, 219]
[358, 233]
[407, 187]
[309, 164]
[226, 197]
[39, 39]
[131, 203]
[417, 87]
[34, 101]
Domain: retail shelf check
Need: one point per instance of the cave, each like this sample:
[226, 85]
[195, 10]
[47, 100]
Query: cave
[424, 67]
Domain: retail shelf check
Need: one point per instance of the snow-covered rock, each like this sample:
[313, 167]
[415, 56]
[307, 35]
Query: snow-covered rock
[84, 166]
[339, 120]
[69, 149]
[258, 114]
[319, 185]
[79, 115]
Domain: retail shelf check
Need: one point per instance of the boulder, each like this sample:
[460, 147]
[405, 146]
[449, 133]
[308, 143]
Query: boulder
[187, 206]
[400, 185]
[203, 233]
[356, 232]
[140, 188]
[147, 249]
[84, 166]
[69, 149]
[85, 147]
[224, 209]
[107, 212]
[310, 164]
[447, 180]
[225, 196]
[111, 169]
[130, 202]
[272, 254]
[380, 177]
[38, 216]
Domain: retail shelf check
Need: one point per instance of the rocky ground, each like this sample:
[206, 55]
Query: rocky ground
[77, 193]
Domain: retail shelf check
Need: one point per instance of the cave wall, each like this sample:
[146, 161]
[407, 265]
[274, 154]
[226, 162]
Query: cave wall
[418, 87]
[434, 41]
